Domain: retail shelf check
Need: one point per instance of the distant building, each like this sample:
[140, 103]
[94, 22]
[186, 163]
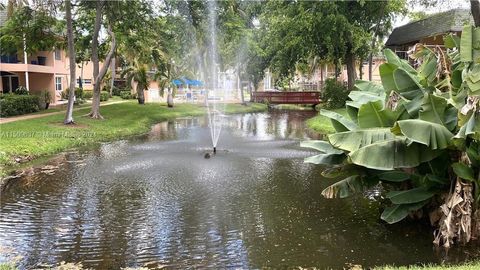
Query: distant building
[428, 31]
[41, 71]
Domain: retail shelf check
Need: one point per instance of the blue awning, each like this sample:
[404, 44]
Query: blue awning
[185, 81]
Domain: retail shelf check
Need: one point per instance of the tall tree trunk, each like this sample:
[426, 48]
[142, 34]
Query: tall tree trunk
[71, 54]
[321, 78]
[475, 8]
[370, 59]
[112, 73]
[95, 112]
[351, 74]
[170, 97]
[140, 94]
[336, 70]
[360, 69]
[372, 48]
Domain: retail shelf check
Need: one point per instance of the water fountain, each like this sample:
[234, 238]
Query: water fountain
[214, 109]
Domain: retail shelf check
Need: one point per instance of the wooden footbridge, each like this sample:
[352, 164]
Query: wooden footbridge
[275, 97]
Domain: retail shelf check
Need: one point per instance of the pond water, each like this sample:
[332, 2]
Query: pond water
[156, 201]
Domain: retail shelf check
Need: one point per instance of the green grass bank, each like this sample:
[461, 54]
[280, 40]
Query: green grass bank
[33, 138]
[464, 266]
[322, 124]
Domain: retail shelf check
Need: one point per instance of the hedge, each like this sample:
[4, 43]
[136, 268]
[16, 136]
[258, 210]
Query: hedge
[11, 105]
[104, 95]
[126, 95]
[87, 94]
[78, 93]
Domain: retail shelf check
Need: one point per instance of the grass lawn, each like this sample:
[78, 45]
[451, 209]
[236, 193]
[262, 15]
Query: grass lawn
[322, 124]
[464, 266]
[47, 135]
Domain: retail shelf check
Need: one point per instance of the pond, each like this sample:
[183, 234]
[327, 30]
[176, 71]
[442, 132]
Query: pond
[156, 201]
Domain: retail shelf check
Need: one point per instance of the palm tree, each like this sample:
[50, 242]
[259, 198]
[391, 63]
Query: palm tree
[165, 74]
[139, 73]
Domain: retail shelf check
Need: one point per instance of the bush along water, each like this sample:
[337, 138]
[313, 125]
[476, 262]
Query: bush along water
[334, 94]
[417, 136]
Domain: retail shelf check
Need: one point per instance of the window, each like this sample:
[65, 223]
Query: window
[85, 81]
[58, 83]
[58, 54]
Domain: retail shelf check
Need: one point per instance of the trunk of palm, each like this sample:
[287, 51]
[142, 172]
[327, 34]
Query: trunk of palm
[140, 94]
[170, 98]
[71, 54]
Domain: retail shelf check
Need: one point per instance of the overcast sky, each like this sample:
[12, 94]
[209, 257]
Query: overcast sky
[444, 6]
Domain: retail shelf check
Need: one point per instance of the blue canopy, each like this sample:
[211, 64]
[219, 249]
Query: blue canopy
[185, 81]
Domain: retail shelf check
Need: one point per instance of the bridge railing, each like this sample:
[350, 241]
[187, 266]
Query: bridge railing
[274, 97]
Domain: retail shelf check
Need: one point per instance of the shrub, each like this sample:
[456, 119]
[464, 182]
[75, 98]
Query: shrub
[87, 94]
[335, 94]
[44, 98]
[104, 95]
[11, 105]
[126, 95]
[116, 91]
[78, 93]
[21, 90]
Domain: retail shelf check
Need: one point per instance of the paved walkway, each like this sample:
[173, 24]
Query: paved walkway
[33, 116]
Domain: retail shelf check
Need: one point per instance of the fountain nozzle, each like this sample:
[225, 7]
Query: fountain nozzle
[214, 150]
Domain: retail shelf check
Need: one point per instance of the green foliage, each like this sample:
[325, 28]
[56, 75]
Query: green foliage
[410, 129]
[104, 95]
[87, 94]
[334, 94]
[11, 105]
[21, 90]
[78, 93]
[37, 27]
[126, 95]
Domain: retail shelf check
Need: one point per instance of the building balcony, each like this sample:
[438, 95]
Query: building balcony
[20, 67]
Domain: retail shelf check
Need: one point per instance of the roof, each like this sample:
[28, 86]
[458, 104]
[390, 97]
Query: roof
[439, 23]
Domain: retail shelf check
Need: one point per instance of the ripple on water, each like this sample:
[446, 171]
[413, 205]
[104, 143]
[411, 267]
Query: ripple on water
[156, 201]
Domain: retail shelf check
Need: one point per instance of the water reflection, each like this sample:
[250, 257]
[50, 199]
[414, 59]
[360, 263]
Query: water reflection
[156, 201]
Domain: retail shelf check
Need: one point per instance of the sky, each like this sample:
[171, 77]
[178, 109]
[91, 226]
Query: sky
[444, 6]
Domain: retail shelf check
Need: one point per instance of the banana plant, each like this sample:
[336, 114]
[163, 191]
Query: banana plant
[416, 133]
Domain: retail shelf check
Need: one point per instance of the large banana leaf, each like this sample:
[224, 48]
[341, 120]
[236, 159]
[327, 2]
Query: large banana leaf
[356, 139]
[372, 114]
[435, 136]
[321, 146]
[469, 127]
[392, 154]
[410, 196]
[328, 156]
[345, 187]
[325, 159]
[473, 79]
[368, 86]
[413, 106]
[339, 122]
[397, 79]
[407, 85]
[394, 176]
[397, 212]
[392, 58]
[358, 98]
[466, 44]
